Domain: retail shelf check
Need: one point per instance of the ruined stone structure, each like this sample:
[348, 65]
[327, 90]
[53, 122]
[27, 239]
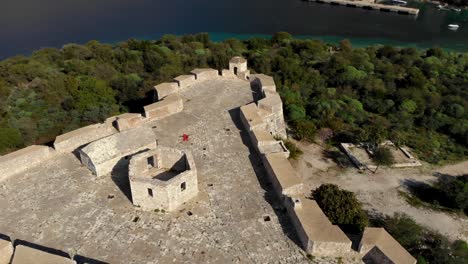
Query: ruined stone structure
[102, 155]
[379, 246]
[23, 159]
[162, 179]
[360, 156]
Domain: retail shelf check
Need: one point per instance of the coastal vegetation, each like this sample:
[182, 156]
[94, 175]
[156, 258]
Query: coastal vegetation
[414, 97]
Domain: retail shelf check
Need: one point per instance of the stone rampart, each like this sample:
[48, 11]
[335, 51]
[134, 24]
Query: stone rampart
[282, 175]
[170, 105]
[102, 155]
[164, 89]
[75, 139]
[23, 159]
[316, 233]
[265, 143]
[126, 121]
[205, 74]
[185, 81]
[28, 255]
[162, 179]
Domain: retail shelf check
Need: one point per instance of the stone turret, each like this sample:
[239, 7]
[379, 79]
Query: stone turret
[238, 66]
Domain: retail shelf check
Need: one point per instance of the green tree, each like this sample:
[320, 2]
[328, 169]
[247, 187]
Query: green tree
[382, 157]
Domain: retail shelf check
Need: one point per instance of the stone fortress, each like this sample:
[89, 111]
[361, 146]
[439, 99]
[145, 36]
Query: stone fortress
[163, 174]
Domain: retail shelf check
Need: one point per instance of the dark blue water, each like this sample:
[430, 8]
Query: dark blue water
[26, 25]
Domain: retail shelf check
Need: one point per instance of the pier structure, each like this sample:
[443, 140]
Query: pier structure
[371, 6]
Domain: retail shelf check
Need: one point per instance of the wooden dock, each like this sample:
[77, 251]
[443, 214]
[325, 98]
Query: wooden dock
[371, 6]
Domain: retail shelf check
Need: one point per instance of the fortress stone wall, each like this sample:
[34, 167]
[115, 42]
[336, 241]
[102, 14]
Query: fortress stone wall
[23, 159]
[102, 155]
[162, 179]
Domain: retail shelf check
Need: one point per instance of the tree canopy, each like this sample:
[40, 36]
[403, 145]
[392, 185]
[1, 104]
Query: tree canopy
[413, 97]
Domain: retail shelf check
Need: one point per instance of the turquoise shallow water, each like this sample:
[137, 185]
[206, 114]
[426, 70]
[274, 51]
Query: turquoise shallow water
[53, 23]
[357, 42]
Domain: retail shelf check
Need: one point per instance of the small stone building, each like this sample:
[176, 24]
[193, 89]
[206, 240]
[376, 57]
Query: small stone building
[102, 156]
[378, 246]
[238, 66]
[162, 179]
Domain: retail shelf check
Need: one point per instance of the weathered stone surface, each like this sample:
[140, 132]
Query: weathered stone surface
[23, 159]
[316, 232]
[170, 105]
[6, 251]
[164, 89]
[227, 74]
[75, 139]
[92, 224]
[185, 81]
[282, 175]
[162, 179]
[28, 255]
[103, 155]
[125, 121]
[237, 65]
[381, 247]
[265, 83]
[205, 74]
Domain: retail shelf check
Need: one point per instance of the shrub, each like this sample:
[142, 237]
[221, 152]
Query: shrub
[341, 207]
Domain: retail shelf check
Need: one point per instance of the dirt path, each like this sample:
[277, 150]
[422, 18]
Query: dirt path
[379, 192]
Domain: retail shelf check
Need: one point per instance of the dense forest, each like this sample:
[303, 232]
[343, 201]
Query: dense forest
[414, 97]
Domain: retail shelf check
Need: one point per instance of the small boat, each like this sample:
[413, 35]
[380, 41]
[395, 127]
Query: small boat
[456, 9]
[453, 26]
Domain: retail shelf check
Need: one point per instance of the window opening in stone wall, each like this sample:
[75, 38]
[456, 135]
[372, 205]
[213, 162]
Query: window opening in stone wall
[183, 186]
[150, 192]
[150, 162]
[235, 70]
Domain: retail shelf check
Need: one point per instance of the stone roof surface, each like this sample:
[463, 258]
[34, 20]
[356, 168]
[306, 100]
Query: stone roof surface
[24, 151]
[28, 255]
[118, 144]
[184, 77]
[316, 224]
[265, 80]
[237, 60]
[380, 238]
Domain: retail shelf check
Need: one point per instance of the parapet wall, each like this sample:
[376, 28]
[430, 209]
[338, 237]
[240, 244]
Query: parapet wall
[23, 159]
[263, 120]
[75, 139]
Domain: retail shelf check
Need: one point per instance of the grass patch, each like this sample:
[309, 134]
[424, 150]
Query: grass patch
[294, 151]
[418, 203]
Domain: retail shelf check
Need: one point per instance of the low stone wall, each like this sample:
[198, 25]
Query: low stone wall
[164, 89]
[205, 74]
[282, 175]
[227, 74]
[185, 81]
[170, 105]
[126, 121]
[103, 155]
[75, 139]
[23, 159]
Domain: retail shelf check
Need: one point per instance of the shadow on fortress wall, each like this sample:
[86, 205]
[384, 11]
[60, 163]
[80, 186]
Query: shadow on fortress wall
[84, 260]
[119, 176]
[260, 172]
